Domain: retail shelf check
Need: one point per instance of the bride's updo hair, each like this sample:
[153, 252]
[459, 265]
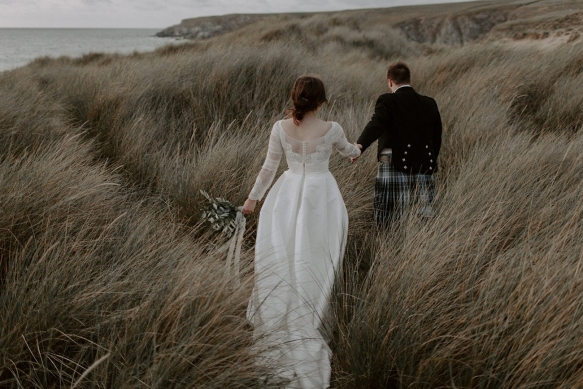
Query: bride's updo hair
[308, 93]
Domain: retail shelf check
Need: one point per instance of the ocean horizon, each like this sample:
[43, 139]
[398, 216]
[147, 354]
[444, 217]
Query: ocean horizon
[20, 46]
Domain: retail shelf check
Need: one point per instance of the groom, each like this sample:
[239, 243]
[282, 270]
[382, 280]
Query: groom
[408, 128]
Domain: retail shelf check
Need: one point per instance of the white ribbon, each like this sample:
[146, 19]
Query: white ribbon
[234, 244]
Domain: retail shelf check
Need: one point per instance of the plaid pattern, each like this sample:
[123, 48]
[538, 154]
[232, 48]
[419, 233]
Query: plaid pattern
[395, 191]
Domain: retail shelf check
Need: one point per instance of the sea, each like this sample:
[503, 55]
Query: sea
[19, 46]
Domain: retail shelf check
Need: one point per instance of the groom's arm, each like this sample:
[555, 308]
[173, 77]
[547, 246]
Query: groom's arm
[438, 129]
[376, 126]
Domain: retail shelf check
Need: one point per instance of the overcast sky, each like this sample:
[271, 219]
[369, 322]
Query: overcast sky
[161, 13]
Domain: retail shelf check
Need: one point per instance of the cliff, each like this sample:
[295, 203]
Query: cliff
[453, 29]
[450, 24]
[207, 27]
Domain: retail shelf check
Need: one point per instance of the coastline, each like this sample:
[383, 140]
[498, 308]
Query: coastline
[20, 46]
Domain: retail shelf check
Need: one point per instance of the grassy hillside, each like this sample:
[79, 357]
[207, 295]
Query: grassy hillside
[449, 23]
[109, 280]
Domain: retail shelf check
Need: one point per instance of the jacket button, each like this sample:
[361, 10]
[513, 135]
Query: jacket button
[430, 160]
[405, 153]
[426, 147]
[429, 153]
[405, 167]
[408, 145]
[430, 168]
[403, 159]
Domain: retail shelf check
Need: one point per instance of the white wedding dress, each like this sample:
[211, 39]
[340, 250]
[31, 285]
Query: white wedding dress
[300, 244]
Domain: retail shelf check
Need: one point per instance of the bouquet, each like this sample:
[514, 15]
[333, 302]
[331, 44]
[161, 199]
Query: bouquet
[221, 214]
[229, 220]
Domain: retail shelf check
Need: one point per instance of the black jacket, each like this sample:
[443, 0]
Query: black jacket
[410, 124]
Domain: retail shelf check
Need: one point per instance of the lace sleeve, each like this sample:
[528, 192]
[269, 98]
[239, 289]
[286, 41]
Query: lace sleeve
[267, 173]
[342, 145]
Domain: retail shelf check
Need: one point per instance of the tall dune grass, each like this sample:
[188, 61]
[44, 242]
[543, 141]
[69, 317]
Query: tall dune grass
[107, 278]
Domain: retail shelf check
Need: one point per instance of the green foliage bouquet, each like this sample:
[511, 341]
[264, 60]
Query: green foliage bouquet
[224, 216]
[221, 214]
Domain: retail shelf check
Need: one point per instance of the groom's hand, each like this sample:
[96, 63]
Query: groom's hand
[360, 148]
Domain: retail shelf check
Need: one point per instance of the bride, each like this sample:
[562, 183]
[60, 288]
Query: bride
[301, 238]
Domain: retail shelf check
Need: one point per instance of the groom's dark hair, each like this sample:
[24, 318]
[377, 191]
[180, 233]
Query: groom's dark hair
[399, 73]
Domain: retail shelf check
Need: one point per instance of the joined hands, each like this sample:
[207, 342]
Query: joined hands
[360, 148]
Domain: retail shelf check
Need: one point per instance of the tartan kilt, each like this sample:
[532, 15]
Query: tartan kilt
[395, 191]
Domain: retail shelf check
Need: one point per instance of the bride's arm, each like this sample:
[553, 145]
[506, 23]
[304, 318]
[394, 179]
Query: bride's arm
[342, 145]
[267, 173]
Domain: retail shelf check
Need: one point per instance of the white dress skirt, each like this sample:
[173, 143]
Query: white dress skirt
[300, 244]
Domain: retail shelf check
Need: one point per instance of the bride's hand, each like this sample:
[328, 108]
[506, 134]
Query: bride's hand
[359, 146]
[248, 207]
